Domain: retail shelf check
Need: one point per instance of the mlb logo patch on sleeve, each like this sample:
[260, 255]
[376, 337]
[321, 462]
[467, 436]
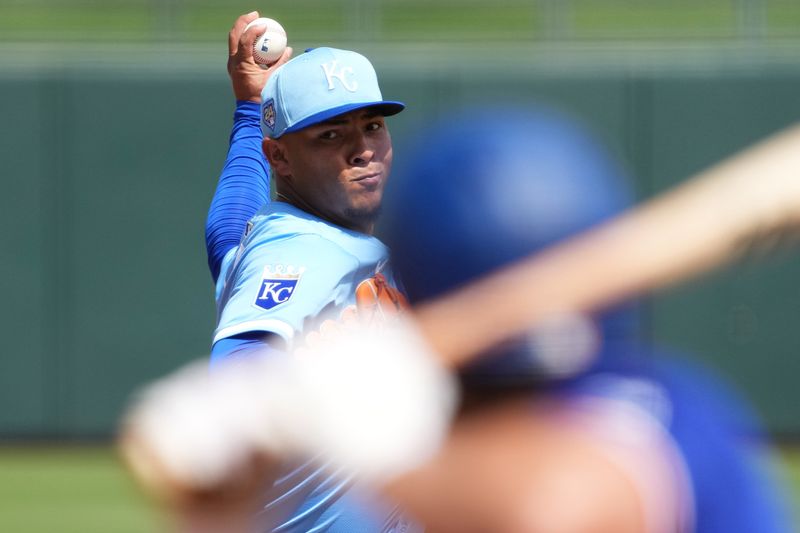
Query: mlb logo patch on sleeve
[278, 284]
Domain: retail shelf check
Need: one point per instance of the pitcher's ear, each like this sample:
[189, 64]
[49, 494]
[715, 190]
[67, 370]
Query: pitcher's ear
[275, 152]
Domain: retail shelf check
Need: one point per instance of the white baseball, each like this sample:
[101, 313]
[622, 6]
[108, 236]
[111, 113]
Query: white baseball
[268, 47]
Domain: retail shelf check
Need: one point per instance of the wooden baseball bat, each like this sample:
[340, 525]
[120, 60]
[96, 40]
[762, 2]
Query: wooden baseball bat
[748, 203]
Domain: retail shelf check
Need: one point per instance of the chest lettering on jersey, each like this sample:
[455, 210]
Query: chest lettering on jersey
[278, 284]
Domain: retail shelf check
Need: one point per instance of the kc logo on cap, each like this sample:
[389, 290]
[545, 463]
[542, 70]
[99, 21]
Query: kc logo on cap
[317, 86]
[332, 74]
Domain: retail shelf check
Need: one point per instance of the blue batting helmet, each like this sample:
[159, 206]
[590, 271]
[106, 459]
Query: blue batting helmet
[485, 189]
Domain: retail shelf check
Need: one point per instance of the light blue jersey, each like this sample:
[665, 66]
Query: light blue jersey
[291, 272]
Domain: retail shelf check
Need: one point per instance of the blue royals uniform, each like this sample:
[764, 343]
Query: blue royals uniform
[290, 271]
[731, 473]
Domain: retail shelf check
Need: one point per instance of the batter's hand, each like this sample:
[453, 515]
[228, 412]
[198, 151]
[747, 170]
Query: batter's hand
[372, 402]
[248, 78]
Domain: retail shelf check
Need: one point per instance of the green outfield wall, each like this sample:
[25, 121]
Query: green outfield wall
[108, 170]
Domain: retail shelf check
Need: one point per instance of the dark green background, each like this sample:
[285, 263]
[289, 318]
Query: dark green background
[108, 171]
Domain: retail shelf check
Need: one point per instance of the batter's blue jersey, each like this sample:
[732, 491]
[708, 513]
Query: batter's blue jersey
[291, 271]
[733, 486]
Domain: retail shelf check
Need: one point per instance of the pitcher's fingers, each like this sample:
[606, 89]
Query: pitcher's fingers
[350, 318]
[237, 29]
[287, 55]
[246, 40]
[330, 329]
[312, 339]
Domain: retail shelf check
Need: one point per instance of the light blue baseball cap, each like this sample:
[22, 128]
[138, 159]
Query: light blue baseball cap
[318, 85]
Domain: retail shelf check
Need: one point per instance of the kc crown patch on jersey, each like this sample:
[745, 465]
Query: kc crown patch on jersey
[278, 284]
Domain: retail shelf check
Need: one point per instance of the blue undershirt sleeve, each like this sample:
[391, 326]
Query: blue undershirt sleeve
[243, 186]
[244, 344]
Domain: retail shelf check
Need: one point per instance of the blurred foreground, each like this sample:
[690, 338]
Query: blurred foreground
[84, 489]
